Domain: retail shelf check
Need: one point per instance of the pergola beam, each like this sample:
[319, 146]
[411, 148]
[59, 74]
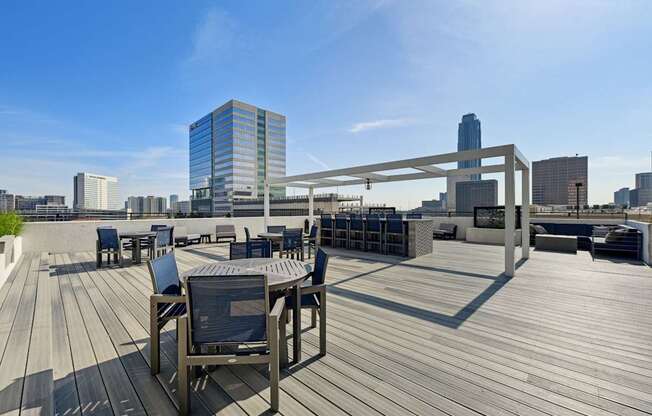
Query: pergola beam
[488, 152]
[431, 169]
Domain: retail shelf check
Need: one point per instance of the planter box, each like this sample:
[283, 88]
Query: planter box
[495, 236]
[11, 249]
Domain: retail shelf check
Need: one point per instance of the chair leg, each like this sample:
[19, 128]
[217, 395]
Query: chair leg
[322, 322]
[283, 339]
[183, 388]
[155, 340]
[313, 318]
[274, 372]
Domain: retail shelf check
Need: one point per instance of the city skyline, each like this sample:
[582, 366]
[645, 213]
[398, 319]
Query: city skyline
[351, 101]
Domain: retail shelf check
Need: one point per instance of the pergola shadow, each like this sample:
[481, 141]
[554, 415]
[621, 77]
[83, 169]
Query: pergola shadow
[450, 321]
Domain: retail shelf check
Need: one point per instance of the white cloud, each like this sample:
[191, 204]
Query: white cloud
[214, 34]
[378, 124]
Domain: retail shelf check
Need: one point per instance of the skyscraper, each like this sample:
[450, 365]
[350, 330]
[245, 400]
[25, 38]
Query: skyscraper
[471, 194]
[554, 181]
[469, 137]
[621, 197]
[174, 198]
[644, 180]
[232, 149]
[96, 192]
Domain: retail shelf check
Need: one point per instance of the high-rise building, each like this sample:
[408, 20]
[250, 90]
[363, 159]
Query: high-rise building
[471, 194]
[554, 181]
[232, 150]
[29, 203]
[640, 197]
[146, 204]
[621, 197]
[644, 180]
[96, 192]
[7, 201]
[469, 137]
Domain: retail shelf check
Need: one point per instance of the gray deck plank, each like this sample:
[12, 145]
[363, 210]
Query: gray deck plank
[66, 398]
[12, 367]
[38, 390]
[93, 397]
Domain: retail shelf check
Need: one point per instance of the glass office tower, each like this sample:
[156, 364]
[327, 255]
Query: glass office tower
[232, 150]
[469, 137]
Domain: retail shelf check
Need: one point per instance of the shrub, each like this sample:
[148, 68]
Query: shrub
[10, 224]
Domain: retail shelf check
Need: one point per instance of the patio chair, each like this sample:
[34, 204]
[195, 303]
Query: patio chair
[249, 237]
[237, 251]
[373, 233]
[162, 242]
[326, 230]
[395, 236]
[108, 243]
[233, 314]
[292, 243]
[165, 304]
[311, 239]
[356, 232]
[259, 249]
[225, 231]
[341, 231]
[276, 228]
[313, 297]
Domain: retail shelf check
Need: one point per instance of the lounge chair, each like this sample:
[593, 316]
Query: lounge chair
[225, 231]
[233, 314]
[182, 238]
[445, 231]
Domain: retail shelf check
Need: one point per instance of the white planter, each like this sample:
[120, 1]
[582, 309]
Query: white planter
[495, 236]
[10, 252]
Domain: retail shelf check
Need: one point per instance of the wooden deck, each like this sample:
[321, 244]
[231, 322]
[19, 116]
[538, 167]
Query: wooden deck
[440, 334]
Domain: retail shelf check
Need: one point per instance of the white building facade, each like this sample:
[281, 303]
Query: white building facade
[93, 191]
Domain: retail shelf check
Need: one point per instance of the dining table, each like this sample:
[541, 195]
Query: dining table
[136, 237]
[283, 275]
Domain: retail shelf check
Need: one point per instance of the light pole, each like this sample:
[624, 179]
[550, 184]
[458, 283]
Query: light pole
[578, 185]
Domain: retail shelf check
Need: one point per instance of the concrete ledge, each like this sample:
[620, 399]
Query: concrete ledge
[76, 236]
[495, 236]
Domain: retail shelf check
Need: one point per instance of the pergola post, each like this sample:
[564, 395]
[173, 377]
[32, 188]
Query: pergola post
[266, 204]
[525, 213]
[510, 213]
[311, 205]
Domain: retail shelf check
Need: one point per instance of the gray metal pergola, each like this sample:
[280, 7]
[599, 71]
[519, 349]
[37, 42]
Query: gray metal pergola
[426, 168]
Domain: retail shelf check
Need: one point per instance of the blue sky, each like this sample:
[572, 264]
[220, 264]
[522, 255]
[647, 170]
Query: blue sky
[110, 87]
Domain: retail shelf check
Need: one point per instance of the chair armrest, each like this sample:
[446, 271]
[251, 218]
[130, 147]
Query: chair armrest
[306, 290]
[277, 310]
[157, 298]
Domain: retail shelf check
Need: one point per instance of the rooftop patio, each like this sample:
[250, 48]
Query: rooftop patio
[446, 333]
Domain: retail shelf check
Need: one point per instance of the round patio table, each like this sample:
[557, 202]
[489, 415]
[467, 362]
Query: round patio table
[135, 238]
[271, 236]
[281, 274]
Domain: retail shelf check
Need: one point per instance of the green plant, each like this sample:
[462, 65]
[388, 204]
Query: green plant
[10, 224]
